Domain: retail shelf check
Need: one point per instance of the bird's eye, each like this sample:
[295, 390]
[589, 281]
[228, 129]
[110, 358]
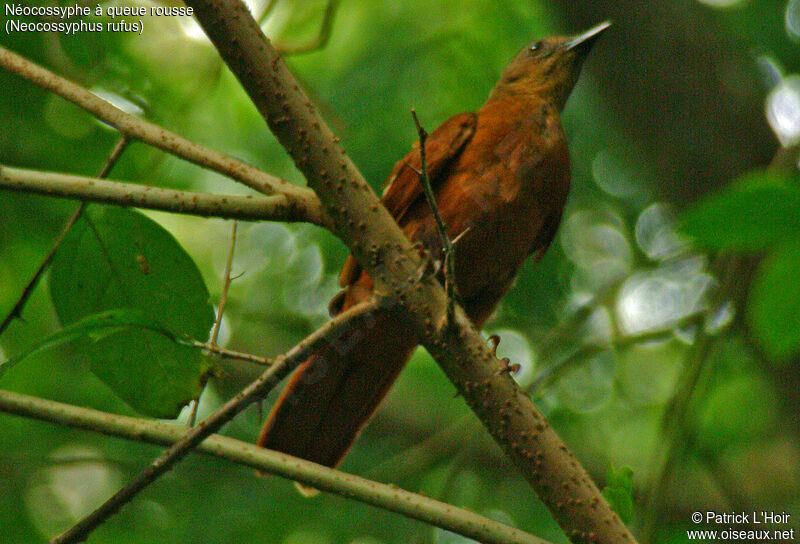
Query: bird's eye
[535, 48]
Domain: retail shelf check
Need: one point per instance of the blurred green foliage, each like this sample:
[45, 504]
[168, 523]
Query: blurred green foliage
[618, 492]
[761, 213]
[612, 377]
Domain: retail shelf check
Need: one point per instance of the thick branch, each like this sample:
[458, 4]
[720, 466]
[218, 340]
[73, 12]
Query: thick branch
[380, 246]
[283, 365]
[412, 505]
[303, 200]
[245, 207]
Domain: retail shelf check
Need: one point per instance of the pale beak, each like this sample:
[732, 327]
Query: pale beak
[586, 40]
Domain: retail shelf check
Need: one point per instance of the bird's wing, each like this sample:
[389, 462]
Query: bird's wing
[403, 187]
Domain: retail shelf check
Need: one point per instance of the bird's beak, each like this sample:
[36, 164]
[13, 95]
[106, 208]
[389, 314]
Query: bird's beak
[584, 42]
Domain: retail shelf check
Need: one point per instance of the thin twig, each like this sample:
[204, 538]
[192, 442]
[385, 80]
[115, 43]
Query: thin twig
[223, 299]
[226, 284]
[229, 354]
[244, 207]
[591, 349]
[270, 378]
[16, 311]
[320, 41]
[388, 497]
[134, 128]
[447, 245]
[196, 402]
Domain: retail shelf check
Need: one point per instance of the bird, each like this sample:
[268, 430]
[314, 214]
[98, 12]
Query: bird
[500, 177]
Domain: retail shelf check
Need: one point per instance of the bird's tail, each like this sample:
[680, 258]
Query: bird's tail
[332, 395]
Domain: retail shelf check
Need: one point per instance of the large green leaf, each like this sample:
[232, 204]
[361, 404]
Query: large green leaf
[774, 305]
[95, 325]
[116, 258]
[754, 212]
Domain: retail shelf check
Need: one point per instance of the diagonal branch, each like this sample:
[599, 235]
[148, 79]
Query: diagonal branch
[246, 207]
[27, 291]
[386, 254]
[388, 497]
[302, 200]
[281, 367]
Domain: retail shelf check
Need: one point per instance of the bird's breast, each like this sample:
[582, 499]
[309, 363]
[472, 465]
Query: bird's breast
[507, 186]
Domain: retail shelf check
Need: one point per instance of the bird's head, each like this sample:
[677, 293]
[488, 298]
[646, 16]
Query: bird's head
[548, 68]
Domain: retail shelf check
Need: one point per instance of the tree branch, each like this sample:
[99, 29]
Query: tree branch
[380, 246]
[223, 300]
[388, 497]
[447, 244]
[319, 41]
[302, 200]
[282, 366]
[27, 291]
[229, 354]
[246, 207]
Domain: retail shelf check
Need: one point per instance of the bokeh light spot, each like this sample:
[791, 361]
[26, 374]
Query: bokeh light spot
[656, 234]
[77, 482]
[783, 110]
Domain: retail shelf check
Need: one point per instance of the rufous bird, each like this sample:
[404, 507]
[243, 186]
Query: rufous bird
[500, 177]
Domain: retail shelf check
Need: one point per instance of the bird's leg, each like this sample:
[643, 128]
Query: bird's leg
[508, 366]
[427, 266]
[494, 340]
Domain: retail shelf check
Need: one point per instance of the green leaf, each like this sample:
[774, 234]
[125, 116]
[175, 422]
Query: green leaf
[737, 411]
[754, 212]
[116, 258]
[619, 492]
[95, 325]
[773, 311]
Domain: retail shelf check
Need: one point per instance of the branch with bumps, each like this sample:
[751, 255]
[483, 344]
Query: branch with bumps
[380, 246]
[387, 497]
[346, 204]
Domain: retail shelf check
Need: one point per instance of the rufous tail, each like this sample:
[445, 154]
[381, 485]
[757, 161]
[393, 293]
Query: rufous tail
[332, 395]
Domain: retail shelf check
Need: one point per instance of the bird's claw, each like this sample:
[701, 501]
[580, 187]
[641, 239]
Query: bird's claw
[507, 367]
[494, 340]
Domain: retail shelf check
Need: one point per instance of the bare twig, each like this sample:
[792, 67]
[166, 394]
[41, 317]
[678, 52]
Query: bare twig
[196, 402]
[229, 354]
[245, 207]
[16, 311]
[226, 284]
[591, 349]
[302, 200]
[321, 39]
[447, 244]
[282, 366]
[223, 299]
[388, 497]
